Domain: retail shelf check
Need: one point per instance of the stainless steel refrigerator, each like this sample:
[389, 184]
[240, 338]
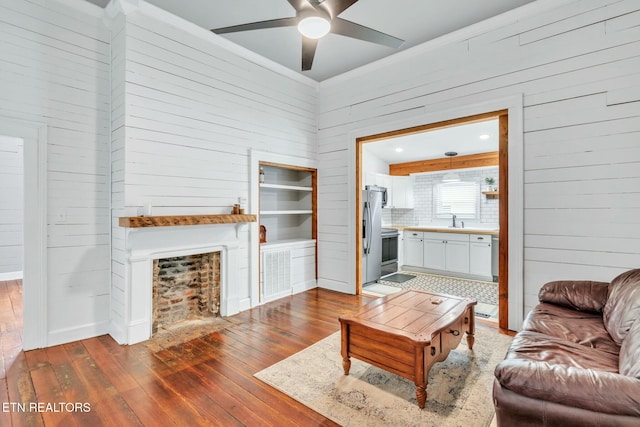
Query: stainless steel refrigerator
[374, 198]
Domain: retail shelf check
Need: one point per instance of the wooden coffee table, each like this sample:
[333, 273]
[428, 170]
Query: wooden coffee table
[406, 333]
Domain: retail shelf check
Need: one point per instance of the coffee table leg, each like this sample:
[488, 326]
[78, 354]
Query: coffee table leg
[472, 327]
[421, 395]
[344, 335]
[346, 365]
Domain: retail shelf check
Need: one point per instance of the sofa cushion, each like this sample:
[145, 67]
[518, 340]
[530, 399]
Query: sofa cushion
[578, 327]
[580, 295]
[623, 304]
[630, 352]
[534, 346]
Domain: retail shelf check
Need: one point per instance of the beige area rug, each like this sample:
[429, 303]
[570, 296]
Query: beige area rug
[459, 390]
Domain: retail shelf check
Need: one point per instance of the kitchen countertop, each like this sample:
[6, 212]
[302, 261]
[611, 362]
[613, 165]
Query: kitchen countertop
[470, 230]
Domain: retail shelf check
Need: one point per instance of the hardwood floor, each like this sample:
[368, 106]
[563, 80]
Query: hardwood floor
[206, 381]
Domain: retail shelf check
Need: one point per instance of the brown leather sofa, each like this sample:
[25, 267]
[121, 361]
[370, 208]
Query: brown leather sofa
[577, 360]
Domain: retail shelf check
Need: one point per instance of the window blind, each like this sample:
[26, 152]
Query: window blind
[459, 198]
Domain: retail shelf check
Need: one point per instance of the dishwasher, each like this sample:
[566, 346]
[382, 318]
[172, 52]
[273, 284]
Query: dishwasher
[495, 257]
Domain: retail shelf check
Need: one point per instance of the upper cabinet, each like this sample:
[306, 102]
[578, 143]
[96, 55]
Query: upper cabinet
[399, 189]
[401, 192]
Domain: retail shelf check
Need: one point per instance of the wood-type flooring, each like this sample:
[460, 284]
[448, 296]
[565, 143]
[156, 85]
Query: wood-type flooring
[206, 381]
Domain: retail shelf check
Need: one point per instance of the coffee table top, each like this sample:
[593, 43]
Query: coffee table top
[414, 314]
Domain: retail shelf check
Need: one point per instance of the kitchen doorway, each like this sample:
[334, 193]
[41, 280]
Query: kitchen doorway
[501, 193]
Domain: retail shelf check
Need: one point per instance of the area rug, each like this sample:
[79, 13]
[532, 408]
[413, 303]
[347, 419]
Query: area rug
[459, 389]
[398, 278]
[485, 292]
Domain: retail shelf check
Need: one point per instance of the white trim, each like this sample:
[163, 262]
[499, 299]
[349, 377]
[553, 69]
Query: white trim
[514, 105]
[147, 244]
[255, 157]
[34, 266]
[466, 33]
[11, 275]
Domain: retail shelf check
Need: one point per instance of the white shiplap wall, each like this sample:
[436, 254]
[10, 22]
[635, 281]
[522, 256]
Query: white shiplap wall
[54, 70]
[577, 64]
[11, 209]
[186, 112]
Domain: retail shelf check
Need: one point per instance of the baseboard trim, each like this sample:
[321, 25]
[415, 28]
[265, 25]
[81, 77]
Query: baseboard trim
[12, 275]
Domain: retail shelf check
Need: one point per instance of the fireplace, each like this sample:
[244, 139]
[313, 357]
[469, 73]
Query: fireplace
[133, 308]
[185, 288]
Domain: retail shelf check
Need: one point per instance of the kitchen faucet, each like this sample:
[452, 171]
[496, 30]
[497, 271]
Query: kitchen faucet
[453, 224]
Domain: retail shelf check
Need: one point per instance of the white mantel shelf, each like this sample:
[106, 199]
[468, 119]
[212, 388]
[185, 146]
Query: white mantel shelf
[178, 220]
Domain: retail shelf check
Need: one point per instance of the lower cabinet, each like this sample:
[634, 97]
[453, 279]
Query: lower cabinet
[412, 248]
[467, 254]
[287, 268]
[446, 251]
[480, 255]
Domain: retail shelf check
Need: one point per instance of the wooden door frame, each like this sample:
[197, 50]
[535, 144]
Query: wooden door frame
[503, 178]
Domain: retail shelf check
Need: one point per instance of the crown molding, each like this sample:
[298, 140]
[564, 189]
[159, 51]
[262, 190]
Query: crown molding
[83, 6]
[460, 35]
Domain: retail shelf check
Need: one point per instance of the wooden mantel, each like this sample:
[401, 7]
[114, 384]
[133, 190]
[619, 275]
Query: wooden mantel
[173, 220]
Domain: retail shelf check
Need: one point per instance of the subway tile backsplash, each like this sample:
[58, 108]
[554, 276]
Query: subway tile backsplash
[422, 213]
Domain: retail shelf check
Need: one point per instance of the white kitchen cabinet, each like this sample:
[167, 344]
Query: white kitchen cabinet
[434, 253]
[401, 196]
[457, 256]
[480, 255]
[412, 248]
[384, 180]
[446, 251]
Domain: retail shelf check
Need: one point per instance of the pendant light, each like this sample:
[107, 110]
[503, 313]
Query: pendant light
[451, 176]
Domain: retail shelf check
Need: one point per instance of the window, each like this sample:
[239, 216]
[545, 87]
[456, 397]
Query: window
[459, 198]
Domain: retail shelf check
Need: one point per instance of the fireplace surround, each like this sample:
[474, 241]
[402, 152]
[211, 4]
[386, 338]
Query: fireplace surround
[146, 244]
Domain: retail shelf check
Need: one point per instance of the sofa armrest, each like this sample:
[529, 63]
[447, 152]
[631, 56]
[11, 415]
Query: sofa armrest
[597, 391]
[581, 295]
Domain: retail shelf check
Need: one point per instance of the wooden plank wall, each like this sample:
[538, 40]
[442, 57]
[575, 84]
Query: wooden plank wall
[54, 69]
[11, 200]
[188, 112]
[578, 66]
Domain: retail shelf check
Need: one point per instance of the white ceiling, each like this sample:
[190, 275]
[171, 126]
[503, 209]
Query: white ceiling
[463, 139]
[415, 21]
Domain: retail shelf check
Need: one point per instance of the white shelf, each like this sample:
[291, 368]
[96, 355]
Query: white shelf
[287, 242]
[287, 212]
[286, 187]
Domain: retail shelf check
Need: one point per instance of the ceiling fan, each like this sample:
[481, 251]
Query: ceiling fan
[316, 18]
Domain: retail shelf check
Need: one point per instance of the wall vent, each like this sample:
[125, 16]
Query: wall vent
[276, 274]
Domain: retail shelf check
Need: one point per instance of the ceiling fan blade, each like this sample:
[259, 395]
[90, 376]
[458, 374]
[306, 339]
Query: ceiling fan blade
[357, 31]
[336, 7]
[308, 52]
[272, 23]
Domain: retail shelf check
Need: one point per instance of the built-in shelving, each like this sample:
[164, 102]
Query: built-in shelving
[288, 206]
[288, 212]
[286, 187]
[288, 202]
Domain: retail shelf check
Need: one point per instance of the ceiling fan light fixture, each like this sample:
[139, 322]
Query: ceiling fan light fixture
[314, 27]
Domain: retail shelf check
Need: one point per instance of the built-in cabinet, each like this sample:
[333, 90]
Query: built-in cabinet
[288, 206]
[399, 189]
[465, 254]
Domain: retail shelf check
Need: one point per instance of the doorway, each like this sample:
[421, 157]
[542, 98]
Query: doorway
[503, 174]
[34, 235]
